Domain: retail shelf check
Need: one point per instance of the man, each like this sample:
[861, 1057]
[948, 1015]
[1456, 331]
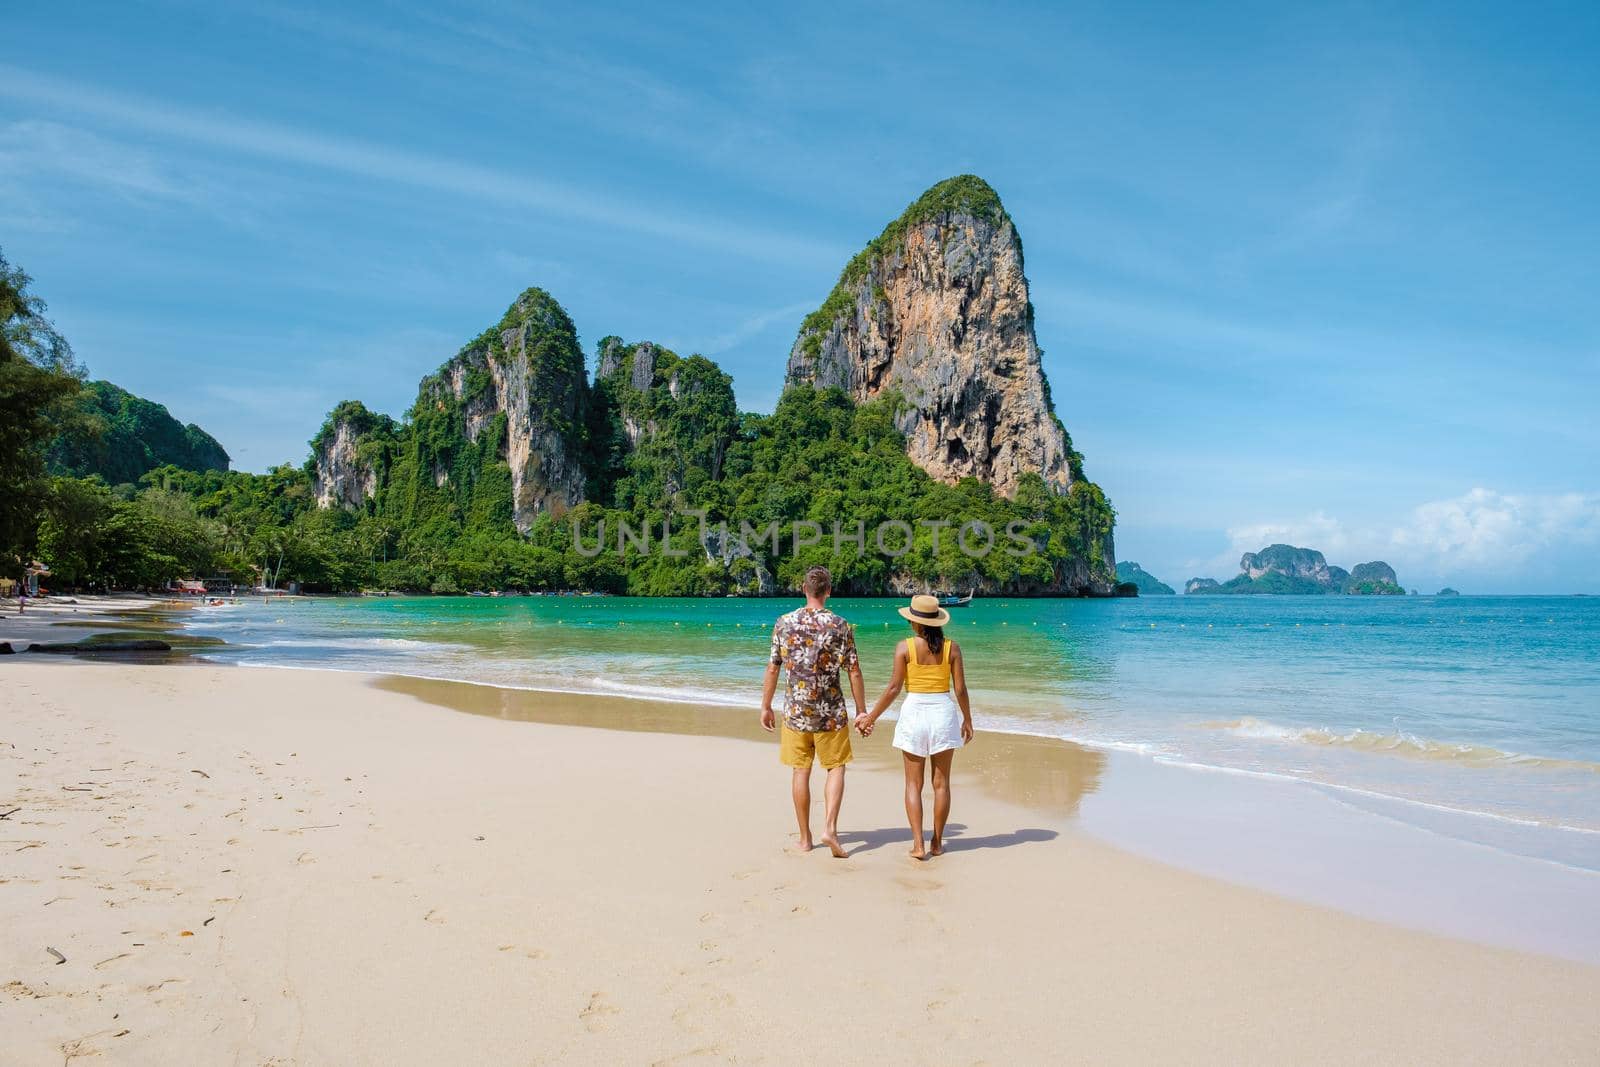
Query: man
[815, 644]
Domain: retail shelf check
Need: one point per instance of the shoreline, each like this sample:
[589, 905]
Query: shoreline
[692, 698]
[1165, 811]
[364, 879]
[1020, 766]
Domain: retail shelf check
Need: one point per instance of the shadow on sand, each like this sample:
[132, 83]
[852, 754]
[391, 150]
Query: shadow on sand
[955, 839]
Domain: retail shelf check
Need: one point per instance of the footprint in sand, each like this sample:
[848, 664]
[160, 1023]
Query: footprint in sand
[918, 883]
[600, 1006]
[434, 917]
[532, 953]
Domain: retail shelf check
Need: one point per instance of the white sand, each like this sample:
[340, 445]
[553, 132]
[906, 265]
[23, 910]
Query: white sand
[370, 879]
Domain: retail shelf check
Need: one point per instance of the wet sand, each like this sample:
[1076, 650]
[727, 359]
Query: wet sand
[309, 867]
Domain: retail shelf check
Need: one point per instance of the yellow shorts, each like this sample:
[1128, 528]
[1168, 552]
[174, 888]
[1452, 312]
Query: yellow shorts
[797, 748]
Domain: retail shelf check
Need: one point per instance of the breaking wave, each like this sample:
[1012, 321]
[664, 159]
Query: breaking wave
[1398, 743]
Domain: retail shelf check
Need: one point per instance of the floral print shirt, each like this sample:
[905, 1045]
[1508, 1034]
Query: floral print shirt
[815, 644]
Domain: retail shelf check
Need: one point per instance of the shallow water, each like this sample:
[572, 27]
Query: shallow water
[1474, 717]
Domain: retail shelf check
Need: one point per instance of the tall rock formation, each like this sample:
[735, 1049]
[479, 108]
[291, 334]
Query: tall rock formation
[937, 309]
[522, 381]
[1289, 561]
[351, 455]
[1373, 579]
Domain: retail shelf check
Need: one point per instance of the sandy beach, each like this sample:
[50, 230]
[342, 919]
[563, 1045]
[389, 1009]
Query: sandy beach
[264, 866]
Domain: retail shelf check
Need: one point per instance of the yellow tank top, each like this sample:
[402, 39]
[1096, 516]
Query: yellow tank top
[929, 677]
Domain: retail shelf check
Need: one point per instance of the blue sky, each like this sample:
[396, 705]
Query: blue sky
[1325, 276]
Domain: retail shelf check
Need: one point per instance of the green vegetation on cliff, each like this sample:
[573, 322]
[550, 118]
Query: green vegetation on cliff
[511, 462]
[120, 437]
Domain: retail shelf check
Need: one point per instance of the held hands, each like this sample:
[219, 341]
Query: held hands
[769, 721]
[864, 724]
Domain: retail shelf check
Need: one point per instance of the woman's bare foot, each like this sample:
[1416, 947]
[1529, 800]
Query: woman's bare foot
[802, 846]
[936, 847]
[833, 846]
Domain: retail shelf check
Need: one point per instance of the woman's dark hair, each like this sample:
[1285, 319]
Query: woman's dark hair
[934, 635]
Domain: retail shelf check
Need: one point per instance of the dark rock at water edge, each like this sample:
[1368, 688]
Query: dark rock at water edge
[77, 647]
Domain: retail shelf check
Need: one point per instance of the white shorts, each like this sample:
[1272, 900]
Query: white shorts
[929, 723]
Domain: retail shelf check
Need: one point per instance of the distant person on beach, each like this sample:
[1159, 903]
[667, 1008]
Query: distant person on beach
[936, 718]
[815, 645]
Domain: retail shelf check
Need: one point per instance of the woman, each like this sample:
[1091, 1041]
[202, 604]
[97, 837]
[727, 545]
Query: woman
[931, 727]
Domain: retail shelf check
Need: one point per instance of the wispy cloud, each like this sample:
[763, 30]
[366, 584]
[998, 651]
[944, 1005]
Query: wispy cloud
[748, 328]
[1484, 527]
[377, 162]
[37, 148]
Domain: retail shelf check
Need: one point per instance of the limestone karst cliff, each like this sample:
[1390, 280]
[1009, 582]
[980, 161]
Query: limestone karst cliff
[350, 455]
[936, 308]
[1285, 569]
[522, 383]
[510, 447]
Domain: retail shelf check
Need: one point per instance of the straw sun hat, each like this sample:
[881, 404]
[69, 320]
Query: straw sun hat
[926, 610]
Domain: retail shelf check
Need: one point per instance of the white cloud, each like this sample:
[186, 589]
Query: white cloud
[1485, 528]
[1492, 539]
[1317, 530]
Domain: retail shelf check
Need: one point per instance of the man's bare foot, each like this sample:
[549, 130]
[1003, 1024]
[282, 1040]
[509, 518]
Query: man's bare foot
[917, 853]
[936, 847]
[833, 846]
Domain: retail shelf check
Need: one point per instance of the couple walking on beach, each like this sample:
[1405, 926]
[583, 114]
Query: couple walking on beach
[935, 720]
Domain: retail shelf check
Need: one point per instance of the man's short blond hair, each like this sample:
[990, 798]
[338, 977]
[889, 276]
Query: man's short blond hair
[817, 582]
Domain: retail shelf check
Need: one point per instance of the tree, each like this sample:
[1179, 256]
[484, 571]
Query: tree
[37, 378]
[73, 534]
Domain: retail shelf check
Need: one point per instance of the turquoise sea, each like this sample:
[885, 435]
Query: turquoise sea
[1476, 717]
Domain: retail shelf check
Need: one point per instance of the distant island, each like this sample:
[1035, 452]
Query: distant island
[1284, 570]
[1149, 585]
[1447, 591]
